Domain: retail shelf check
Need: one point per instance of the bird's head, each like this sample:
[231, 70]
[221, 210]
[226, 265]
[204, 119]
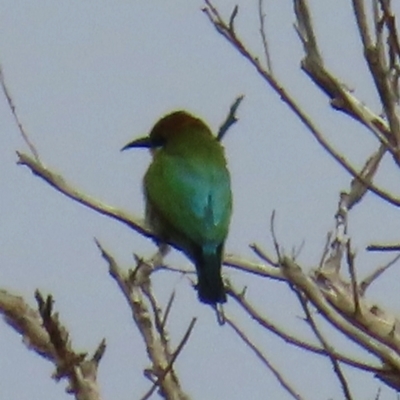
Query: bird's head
[167, 128]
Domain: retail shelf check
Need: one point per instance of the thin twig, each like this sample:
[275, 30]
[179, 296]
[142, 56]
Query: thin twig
[182, 271]
[333, 262]
[13, 109]
[296, 252]
[232, 18]
[383, 247]
[59, 183]
[230, 118]
[281, 333]
[375, 57]
[371, 332]
[80, 371]
[222, 28]
[353, 278]
[261, 16]
[357, 188]
[329, 349]
[264, 360]
[263, 255]
[365, 284]
[266, 271]
[168, 309]
[342, 99]
[157, 345]
[173, 359]
[305, 31]
[361, 17]
[274, 237]
[393, 37]
[325, 251]
[157, 315]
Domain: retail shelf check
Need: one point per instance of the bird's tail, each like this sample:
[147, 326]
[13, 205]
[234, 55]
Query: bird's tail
[210, 287]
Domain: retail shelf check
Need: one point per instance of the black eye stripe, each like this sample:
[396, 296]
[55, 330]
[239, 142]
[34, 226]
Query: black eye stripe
[158, 142]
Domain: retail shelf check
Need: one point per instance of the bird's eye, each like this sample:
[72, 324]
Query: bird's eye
[157, 142]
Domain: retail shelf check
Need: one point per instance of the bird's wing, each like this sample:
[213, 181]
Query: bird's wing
[195, 198]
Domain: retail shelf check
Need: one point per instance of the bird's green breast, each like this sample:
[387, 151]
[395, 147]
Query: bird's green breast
[188, 185]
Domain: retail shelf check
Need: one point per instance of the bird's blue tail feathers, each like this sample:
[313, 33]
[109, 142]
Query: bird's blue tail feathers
[210, 287]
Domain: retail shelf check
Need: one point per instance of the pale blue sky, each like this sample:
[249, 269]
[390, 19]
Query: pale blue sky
[87, 77]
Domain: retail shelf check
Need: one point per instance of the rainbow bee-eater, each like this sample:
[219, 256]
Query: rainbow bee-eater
[188, 195]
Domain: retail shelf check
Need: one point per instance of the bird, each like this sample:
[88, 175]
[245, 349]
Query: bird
[188, 197]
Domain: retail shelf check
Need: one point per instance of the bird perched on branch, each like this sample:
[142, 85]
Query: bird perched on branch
[188, 195]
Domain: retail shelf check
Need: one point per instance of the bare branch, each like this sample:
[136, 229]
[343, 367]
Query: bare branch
[353, 277]
[376, 335]
[274, 237]
[264, 256]
[365, 284]
[27, 322]
[325, 251]
[136, 286]
[253, 267]
[261, 16]
[342, 98]
[44, 334]
[325, 344]
[332, 263]
[306, 32]
[264, 360]
[383, 247]
[173, 358]
[232, 18]
[376, 60]
[230, 118]
[393, 37]
[60, 184]
[361, 17]
[293, 340]
[17, 120]
[223, 28]
[358, 189]
[167, 310]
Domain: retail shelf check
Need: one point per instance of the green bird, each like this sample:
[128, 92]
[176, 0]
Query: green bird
[188, 195]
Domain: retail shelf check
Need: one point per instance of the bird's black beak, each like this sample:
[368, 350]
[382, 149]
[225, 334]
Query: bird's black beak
[141, 142]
